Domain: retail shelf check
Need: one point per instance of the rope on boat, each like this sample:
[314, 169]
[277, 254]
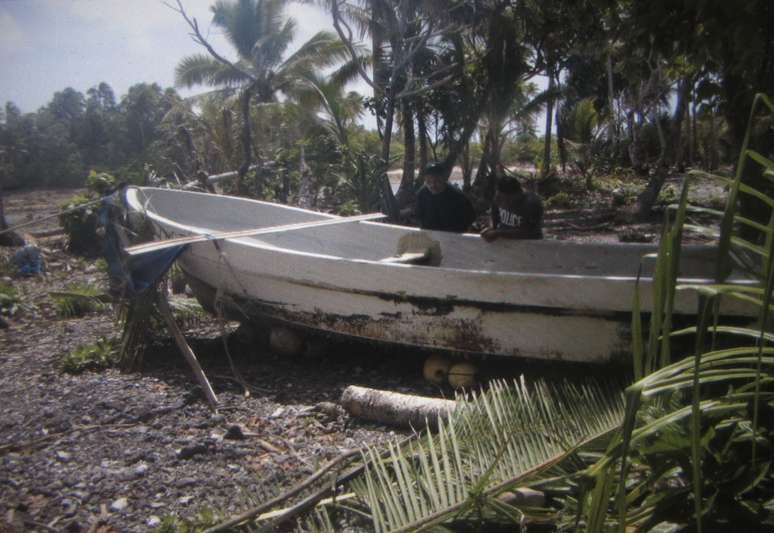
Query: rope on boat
[219, 304]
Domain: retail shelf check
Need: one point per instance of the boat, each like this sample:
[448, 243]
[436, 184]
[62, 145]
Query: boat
[548, 299]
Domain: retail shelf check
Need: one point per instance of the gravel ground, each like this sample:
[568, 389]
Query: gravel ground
[106, 451]
[122, 451]
[125, 450]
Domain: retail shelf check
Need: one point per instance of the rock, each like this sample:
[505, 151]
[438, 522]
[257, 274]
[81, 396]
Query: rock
[329, 408]
[185, 500]
[69, 507]
[316, 348]
[190, 451]
[153, 521]
[63, 456]
[234, 433]
[119, 505]
[185, 482]
[140, 470]
[80, 495]
[285, 341]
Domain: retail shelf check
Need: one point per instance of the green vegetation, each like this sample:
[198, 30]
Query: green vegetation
[689, 443]
[8, 298]
[78, 300]
[80, 225]
[632, 91]
[560, 200]
[98, 356]
[202, 520]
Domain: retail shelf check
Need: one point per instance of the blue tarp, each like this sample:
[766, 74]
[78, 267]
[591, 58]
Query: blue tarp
[136, 273]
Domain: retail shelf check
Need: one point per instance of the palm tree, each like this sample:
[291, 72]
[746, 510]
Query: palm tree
[260, 36]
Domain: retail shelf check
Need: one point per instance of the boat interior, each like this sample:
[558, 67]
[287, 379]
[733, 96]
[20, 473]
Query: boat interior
[373, 241]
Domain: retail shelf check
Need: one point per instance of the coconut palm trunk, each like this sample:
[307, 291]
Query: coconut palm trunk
[247, 139]
[549, 120]
[261, 35]
[406, 189]
[422, 133]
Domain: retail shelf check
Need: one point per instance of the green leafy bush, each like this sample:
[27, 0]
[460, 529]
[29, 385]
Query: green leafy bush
[560, 200]
[101, 265]
[8, 298]
[80, 225]
[204, 519]
[669, 194]
[79, 300]
[100, 355]
[100, 182]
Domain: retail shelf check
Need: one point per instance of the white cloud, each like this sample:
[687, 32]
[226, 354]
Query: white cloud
[11, 36]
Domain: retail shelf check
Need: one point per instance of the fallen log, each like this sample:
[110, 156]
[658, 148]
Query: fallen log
[394, 408]
[215, 178]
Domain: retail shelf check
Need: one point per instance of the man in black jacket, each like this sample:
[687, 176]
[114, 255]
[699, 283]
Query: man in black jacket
[441, 206]
[516, 214]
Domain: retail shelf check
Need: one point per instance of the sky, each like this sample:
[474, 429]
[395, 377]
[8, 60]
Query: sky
[48, 45]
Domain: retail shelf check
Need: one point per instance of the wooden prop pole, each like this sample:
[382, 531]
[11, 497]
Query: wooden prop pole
[187, 352]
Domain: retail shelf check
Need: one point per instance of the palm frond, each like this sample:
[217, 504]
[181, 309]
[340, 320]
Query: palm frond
[349, 71]
[495, 441]
[324, 49]
[78, 300]
[240, 22]
[199, 69]
[268, 51]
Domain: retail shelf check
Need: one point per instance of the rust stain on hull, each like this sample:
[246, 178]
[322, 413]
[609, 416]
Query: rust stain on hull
[458, 334]
[426, 326]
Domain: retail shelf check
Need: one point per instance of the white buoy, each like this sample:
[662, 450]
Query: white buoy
[436, 368]
[285, 341]
[462, 375]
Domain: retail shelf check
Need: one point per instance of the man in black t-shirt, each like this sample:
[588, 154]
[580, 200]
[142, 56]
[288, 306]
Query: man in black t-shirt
[441, 206]
[516, 214]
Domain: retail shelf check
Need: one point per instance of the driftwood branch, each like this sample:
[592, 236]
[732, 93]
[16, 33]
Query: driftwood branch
[393, 408]
[259, 509]
[347, 39]
[215, 178]
[198, 38]
[423, 88]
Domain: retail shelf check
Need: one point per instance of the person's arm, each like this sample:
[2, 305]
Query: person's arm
[506, 233]
[420, 209]
[488, 233]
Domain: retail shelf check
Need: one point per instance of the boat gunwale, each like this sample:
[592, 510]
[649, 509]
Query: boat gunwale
[252, 242]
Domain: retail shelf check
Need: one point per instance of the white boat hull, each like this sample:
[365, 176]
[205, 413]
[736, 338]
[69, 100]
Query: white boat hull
[568, 314]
